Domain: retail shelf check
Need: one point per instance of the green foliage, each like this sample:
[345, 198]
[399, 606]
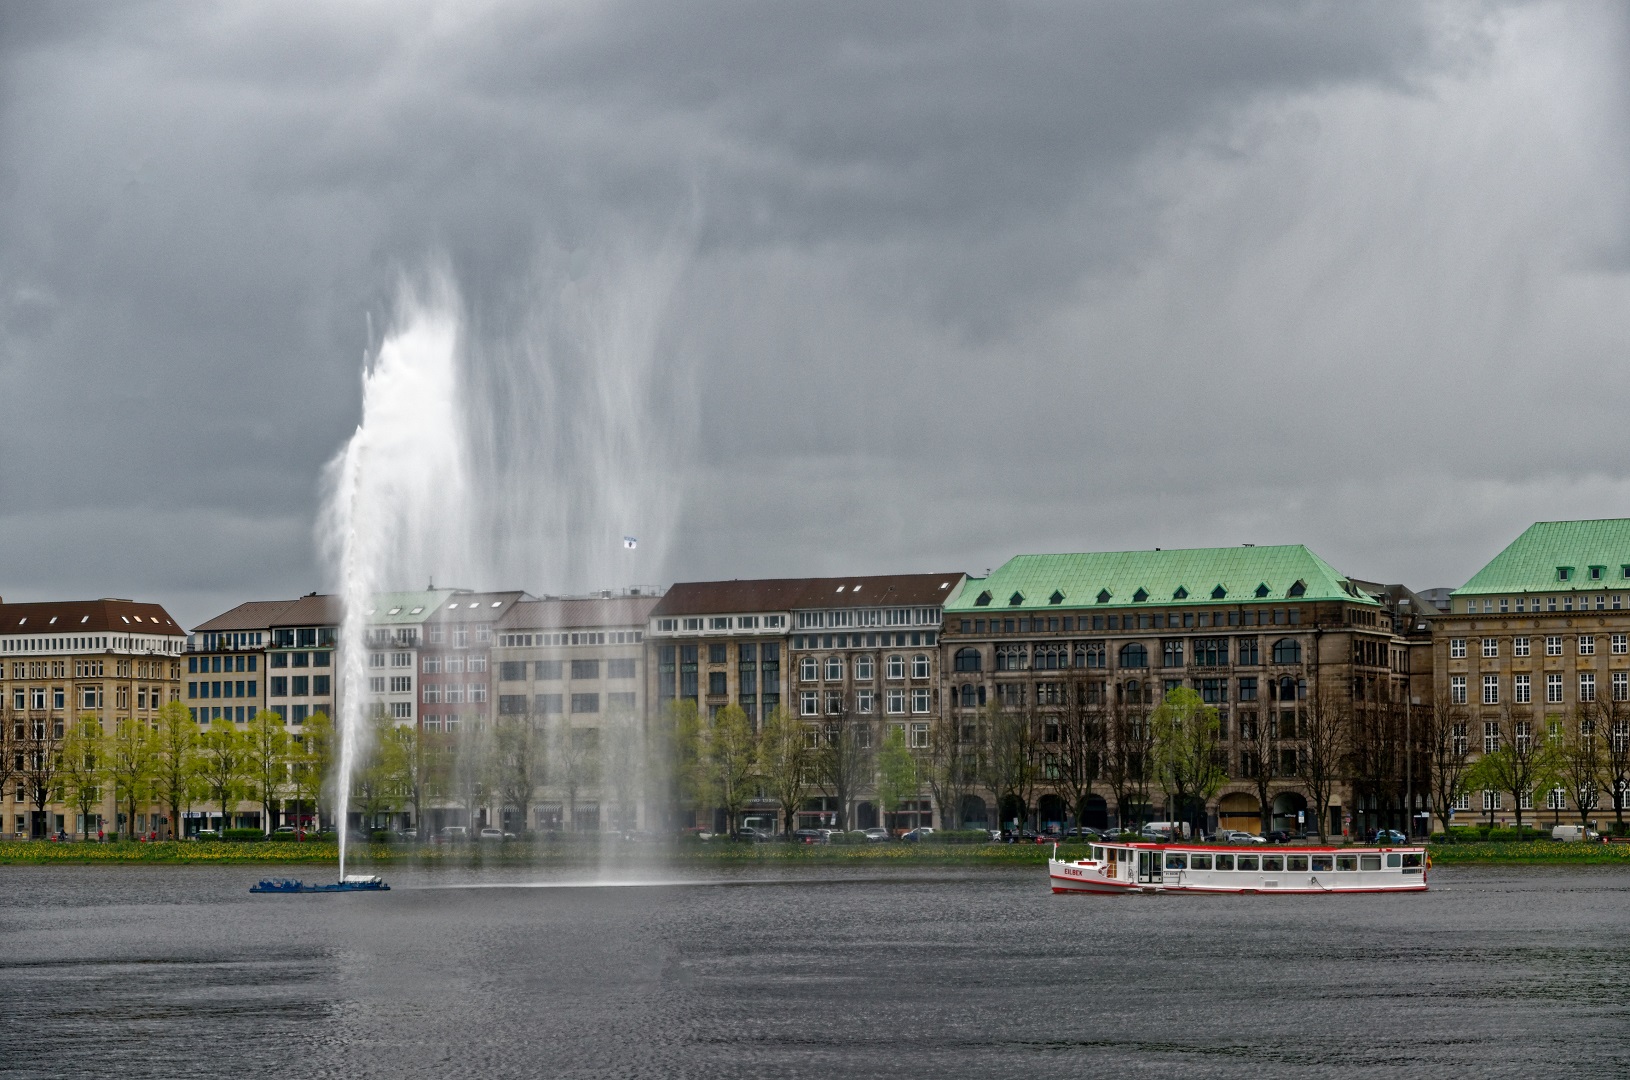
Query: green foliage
[786, 761]
[177, 766]
[896, 770]
[1186, 737]
[729, 761]
[243, 836]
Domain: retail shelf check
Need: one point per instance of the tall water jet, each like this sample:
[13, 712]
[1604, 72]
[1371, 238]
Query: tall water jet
[395, 496]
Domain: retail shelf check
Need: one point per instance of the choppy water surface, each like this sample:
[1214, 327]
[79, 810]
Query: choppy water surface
[173, 972]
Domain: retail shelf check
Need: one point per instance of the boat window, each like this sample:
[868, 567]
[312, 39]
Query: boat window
[1296, 863]
[1176, 860]
[1369, 862]
[1097, 854]
[1394, 860]
[1225, 861]
[1272, 864]
[1199, 862]
[1247, 862]
[1346, 862]
[1124, 855]
[1412, 862]
[1322, 863]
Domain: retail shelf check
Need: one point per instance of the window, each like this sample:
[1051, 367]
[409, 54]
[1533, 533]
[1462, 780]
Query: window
[864, 701]
[1247, 688]
[1211, 652]
[1522, 693]
[1457, 689]
[1621, 686]
[1491, 800]
[1012, 657]
[550, 670]
[1214, 691]
[1491, 647]
[834, 668]
[1090, 654]
[1491, 736]
[1553, 646]
[1553, 689]
[511, 670]
[919, 666]
[585, 669]
[1457, 739]
[808, 669]
[1134, 655]
[1172, 652]
[620, 669]
[896, 701]
[585, 703]
[431, 692]
[897, 667]
[477, 692]
[1457, 648]
[1587, 645]
[716, 683]
[920, 699]
[1463, 801]
[1249, 651]
[809, 703]
[511, 704]
[919, 736]
[300, 686]
[1519, 646]
[1491, 689]
[1587, 686]
[718, 654]
[865, 668]
[967, 660]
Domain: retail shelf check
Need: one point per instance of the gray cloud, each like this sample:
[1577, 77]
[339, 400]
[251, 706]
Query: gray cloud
[953, 282]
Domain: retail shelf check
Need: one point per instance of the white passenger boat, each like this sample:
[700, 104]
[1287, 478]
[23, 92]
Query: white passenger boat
[1215, 868]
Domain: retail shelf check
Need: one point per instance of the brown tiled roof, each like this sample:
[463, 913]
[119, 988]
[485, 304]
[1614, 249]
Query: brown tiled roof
[578, 611]
[790, 594]
[87, 617]
[313, 609]
[255, 615]
[477, 607]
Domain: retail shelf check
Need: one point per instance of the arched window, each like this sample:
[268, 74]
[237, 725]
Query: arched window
[1134, 655]
[1283, 689]
[834, 669]
[808, 670]
[969, 660]
[1132, 692]
[863, 668]
[1287, 651]
[968, 696]
[919, 666]
[897, 667]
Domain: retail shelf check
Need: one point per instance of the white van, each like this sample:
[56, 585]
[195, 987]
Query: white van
[1166, 830]
[1572, 832]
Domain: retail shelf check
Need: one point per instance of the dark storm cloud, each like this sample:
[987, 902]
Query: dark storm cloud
[962, 280]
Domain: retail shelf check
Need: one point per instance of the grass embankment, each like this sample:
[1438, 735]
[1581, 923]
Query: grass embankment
[715, 853]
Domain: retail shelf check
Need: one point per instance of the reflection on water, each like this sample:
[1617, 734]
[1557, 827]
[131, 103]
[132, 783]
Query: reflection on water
[153, 972]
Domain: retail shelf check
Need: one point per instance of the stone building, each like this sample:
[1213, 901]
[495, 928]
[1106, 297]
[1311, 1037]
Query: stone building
[1536, 642]
[115, 661]
[1291, 653]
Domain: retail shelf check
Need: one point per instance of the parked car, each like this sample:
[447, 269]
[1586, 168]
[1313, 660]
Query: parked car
[410, 834]
[1084, 832]
[877, 835]
[921, 832]
[809, 836]
[1389, 836]
[496, 834]
[1574, 832]
[206, 834]
[1236, 836]
[453, 834]
[751, 835]
[285, 830]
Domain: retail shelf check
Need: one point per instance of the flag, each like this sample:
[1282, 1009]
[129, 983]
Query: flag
[630, 543]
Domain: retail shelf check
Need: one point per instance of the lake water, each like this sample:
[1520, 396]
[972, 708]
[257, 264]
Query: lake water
[179, 972]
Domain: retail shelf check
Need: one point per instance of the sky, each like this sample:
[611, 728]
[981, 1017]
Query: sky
[809, 289]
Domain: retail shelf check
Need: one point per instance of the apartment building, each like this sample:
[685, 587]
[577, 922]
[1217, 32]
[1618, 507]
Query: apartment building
[1536, 641]
[226, 662]
[301, 673]
[455, 676]
[115, 660]
[395, 636]
[574, 669]
[1269, 636]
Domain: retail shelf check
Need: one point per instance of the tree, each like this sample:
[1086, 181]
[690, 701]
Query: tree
[1523, 759]
[381, 778]
[133, 763]
[896, 771]
[1447, 746]
[670, 752]
[1187, 735]
[1011, 756]
[266, 763]
[1325, 734]
[843, 759]
[785, 762]
[222, 765]
[81, 773]
[729, 756]
[949, 765]
[40, 749]
[471, 768]
[321, 747]
[1129, 757]
[1259, 761]
[622, 765]
[574, 758]
[177, 761]
[1614, 716]
[1580, 756]
[11, 737]
[521, 762]
[1077, 756]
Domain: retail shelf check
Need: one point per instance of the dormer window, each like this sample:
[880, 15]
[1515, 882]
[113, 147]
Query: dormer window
[983, 600]
[1564, 573]
[1103, 596]
[1219, 593]
[1296, 590]
[1015, 600]
[1056, 598]
[1180, 594]
[1140, 596]
[1262, 591]
[1597, 573]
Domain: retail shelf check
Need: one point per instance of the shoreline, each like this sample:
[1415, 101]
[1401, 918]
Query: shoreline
[40, 853]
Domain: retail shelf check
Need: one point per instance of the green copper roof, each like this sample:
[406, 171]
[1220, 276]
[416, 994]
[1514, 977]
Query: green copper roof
[1197, 576]
[407, 607]
[1533, 561]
